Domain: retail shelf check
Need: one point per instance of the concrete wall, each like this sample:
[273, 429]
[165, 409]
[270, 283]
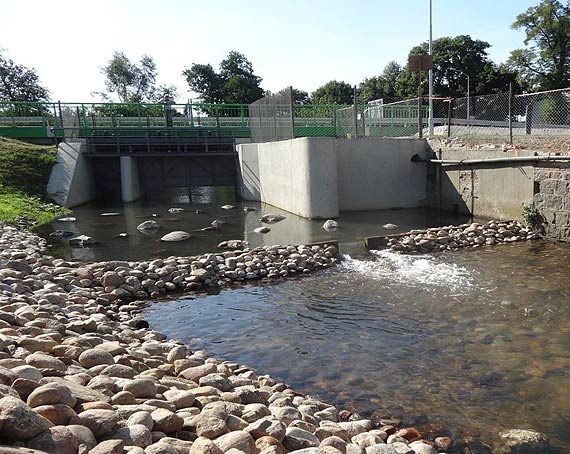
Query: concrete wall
[71, 180]
[130, 182]
[485, 190]
[377, 173]
[552, 199]
[318, 177]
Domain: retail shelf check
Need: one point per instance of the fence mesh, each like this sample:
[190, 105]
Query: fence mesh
[271, 117]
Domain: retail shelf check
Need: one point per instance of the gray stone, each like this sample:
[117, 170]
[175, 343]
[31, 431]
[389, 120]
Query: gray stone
[58, 439]
[109, 447]
[82, 241]
[99, 421]
[18, 421]
[296, 438]
[82, 393]
[51, 393]
[135, 435]
[177, 235]
[166, 421]
[148, 225]
[271, 218]
[238, 439]
[523, 440]
[267, 426]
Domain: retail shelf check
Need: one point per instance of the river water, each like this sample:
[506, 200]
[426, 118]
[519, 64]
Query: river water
[467, 343]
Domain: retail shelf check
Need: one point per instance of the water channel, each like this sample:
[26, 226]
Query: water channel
[467, 343]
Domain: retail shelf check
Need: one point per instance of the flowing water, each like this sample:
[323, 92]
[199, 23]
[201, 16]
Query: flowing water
[467, 343]
[470, 342]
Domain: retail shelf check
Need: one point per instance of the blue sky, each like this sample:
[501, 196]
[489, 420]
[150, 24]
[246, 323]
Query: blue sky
[289, 42]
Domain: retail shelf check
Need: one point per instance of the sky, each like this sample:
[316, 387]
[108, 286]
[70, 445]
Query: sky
[304, 43]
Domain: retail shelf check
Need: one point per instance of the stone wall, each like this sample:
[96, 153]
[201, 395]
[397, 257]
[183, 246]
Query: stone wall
[552, 199]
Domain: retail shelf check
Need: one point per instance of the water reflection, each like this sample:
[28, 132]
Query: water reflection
[239, 224]
[480, 343]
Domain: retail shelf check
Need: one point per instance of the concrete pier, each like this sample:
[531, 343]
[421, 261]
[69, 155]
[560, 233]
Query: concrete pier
[130, 182]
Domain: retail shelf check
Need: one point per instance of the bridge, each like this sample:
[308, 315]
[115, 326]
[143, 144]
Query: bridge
[136, 148]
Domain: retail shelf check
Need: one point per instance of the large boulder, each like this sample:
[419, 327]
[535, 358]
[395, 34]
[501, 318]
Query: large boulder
[18, 421]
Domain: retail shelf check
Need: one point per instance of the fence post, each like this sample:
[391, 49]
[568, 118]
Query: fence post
[449, 109]
[511, 113]
[61, 118]
[528, 118]
[292, 111]
[355, 113]
[420, 119]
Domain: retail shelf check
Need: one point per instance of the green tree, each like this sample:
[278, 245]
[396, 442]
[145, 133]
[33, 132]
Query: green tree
[235, 82]
[18, 83]
[455, 58]
[131, 82]
[545, 62]
[383, 86]
[333, 92]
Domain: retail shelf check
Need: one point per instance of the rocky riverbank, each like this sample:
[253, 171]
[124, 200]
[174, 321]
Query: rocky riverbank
[452, 237]
[81, 372]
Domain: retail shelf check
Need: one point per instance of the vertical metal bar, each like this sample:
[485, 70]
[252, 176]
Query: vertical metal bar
[510, 113]
[420, 119]
[61, 118]
[449, 117]
[355, 113]
[292, 112]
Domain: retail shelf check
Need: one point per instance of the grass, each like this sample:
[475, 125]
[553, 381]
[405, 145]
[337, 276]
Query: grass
[24, 173]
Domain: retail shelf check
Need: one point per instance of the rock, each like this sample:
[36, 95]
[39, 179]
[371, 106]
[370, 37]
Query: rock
[82, 393]
[271, 218]
[61, 234]
[267, 426]
[141, 417]
[100, 422]
[18, 421]
[135, 435]
[330, 225]
[238, 440]
[56, 440]
[180, 398]
[228, 207]
[94, 356]
[381, 449]
[160, 448]
[58, 414]
[19, 450]
[523, 441]
[409, 433]
[141, 387]
[177, 235]
[247, 209]
[419, 447]
[166, 421]
[82, 241]
[83, 434]
[204, 446]
[335, 442]
[67, 219]
[51, 393]
[176, 210]
[109, 447]
[148, 225]
[444, 443]
[111, 214]
[233, 244]
[262, 230]
[210, 426]
[296, 438]
[390, 226]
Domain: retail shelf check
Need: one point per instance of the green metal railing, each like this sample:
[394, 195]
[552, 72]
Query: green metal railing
[29, 120]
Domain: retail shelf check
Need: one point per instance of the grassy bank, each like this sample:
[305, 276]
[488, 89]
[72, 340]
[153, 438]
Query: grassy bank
[24, 173]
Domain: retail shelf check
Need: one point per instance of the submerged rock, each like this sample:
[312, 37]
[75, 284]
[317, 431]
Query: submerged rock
[228, 207]
[67, 219]
[271, 218]
[111, 214]
[233, 244]
[82, 241]
[200, 212]
[524, 441]
[177, 235]
[176, 210]
[246, 209]
[262, 230]
[148, 225]
[61, 234]
[330, 225]
[390, 226]
[218, 223]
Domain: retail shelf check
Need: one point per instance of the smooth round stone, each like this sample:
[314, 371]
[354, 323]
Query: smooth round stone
[56, 439]
[52, 393]
[166, 421]
[296, 438]
[141, 417]
[95, 357]
[148, 225]
[100, 422]
[177, 235]
[44, 361]
[18, 421]
[141, 387]
[239, 440]
[135, 435]
[28, 372]
[58, 414]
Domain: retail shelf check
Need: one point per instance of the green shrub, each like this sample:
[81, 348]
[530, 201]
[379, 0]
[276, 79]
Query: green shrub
[529, 214]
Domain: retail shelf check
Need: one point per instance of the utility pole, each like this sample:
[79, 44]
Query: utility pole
[430, 75]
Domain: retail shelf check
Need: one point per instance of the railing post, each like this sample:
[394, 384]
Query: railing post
[420, 119]
[355, 113]
[292, 111]
[61, 118]
[511, 113]
[449, 110]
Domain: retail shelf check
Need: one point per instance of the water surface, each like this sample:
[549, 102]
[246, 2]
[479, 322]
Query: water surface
[475, 341]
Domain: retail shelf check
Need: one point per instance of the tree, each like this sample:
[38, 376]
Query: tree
[333, 92]
[18, 83]
[545, 62]
[381, 87]
[455, 58]
[235, 82]
[131, 83]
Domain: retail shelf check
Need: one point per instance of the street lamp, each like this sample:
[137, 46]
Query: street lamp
[468, 84]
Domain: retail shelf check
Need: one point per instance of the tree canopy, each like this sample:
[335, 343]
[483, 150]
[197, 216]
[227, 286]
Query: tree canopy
[333, 92]
[132, 82]
[235, 82]
[18, 83]
[454, 59]
[381, 87]
[545, 62]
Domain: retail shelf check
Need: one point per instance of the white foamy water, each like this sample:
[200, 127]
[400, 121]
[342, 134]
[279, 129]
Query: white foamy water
[425, 271]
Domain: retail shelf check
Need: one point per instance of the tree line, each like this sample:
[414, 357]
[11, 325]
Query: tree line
[543, 64]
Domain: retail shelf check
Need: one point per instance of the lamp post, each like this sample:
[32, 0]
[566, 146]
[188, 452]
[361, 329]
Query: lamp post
[430, 94]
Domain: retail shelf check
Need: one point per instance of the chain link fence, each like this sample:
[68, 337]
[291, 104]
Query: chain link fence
[271, 117]
[500, 116]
